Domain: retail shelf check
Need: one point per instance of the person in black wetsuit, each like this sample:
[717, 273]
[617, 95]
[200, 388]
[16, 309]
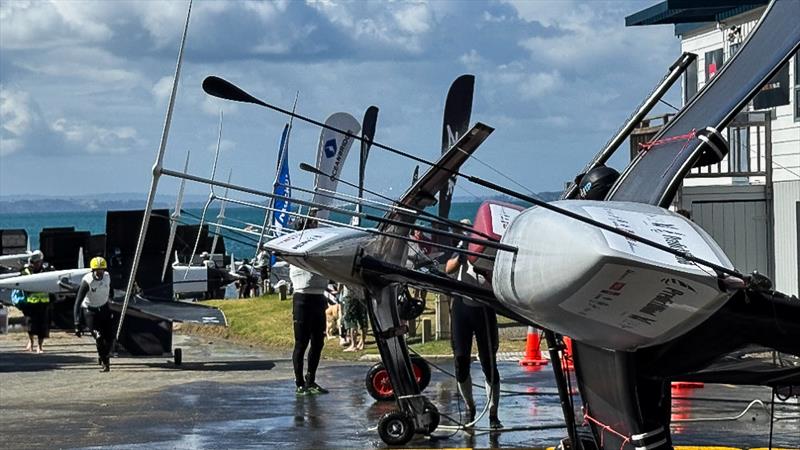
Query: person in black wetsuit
[91, 304]
[308, 313]
[468, 318]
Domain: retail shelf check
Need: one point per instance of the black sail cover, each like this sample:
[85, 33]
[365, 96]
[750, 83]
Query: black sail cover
[457, 112]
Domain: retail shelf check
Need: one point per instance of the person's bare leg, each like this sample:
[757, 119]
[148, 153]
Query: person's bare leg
[39, 349]
[29, 347]
[353, 337]
[363, 337]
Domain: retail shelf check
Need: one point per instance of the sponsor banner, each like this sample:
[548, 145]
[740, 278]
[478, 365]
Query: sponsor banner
[368, 133]
[642, 301]
[331, 155]
[457, 112]
[673, 231]
[281, 203]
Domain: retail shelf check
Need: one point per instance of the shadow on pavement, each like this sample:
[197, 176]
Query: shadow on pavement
[205, 366]
[32, 362]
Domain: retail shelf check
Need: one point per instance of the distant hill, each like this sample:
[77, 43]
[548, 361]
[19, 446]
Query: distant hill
[109, 202]
[100, 202]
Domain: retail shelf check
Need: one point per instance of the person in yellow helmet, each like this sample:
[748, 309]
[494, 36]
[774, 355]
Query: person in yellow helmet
[91, 304]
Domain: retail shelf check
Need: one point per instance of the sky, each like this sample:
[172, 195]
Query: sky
[84, 87]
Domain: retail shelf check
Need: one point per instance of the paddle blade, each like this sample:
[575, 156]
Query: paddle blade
[218, 87]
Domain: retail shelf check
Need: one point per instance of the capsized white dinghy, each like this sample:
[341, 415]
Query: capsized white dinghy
[597, 286]
[328, 251]
[50, 282]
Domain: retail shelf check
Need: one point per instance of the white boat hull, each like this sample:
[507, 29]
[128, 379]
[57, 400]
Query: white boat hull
[330, 252]
[45, 281]
[596, 286]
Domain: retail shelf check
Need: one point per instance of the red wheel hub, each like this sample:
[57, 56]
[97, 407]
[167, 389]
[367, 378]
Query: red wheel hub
[383, 384]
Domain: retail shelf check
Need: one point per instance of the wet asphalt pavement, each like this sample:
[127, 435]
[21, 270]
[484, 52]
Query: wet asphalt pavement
[227, 396]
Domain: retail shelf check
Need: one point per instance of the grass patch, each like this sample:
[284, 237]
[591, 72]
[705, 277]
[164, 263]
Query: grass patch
[267, 322]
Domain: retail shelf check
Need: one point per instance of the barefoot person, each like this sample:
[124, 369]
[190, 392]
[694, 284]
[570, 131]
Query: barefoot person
[91, 303]
[355, 317]
[35, 306]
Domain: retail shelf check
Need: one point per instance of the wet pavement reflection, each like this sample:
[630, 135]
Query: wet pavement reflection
[268, 415]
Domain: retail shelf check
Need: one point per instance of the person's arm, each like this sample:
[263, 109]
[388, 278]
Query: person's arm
[453, 264]
[82, 291]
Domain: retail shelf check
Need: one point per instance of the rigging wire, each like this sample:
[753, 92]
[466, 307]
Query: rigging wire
[668, 104]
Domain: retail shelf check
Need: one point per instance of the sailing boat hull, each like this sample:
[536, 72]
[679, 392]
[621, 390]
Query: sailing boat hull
[597, 286]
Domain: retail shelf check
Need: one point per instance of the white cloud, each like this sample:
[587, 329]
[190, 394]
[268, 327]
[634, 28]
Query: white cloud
[471, 59]
[162, 89]
[401, 26]
[266, 11]
[19, 120]
[536, 85]
[95, 139]
[25, 130]
[414, 18]
[517, 76]
[585, 35]
[83, 16]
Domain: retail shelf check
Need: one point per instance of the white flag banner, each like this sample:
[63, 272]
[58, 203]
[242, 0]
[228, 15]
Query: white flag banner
[331, 154]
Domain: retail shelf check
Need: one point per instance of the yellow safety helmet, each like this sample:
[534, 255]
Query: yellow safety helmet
[98, 263]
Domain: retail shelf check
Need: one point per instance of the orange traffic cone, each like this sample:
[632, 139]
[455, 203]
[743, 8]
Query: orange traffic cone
[566, 358]
[533, 355]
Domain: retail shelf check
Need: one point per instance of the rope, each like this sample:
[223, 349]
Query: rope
[604, 427]
[645, 146]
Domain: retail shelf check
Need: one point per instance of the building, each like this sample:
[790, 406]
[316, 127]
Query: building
[750, 202]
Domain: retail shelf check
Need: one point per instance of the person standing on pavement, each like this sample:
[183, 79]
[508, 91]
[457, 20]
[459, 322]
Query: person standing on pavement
[308, 314]
[91, 303]
[468, 318]
[35, 306]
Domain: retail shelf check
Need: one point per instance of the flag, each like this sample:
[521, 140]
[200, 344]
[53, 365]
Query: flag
[331, 154]
[281, 203]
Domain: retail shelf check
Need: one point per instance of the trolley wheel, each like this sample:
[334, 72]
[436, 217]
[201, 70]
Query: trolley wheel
[177, 356]
[430, 408]
[395, 428]
[422, 372]
[379, 386]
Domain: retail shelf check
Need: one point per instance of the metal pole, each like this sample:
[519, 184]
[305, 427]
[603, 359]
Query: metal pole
[157, 167]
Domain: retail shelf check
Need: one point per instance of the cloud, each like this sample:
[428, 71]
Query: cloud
[94, 78]
[94, 139]
[586, 35]
[20, 120]
[25, 130]
[471, 59]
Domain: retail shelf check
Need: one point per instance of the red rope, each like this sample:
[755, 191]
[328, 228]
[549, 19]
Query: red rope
[604, 427]
[645, 146]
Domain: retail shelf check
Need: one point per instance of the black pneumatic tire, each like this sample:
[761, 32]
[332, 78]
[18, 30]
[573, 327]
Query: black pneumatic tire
[430, 408]
[395, 428]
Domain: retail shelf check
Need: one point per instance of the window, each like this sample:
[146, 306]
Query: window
[714, 60]
[690, 82]
[797, 86]
[733, 48]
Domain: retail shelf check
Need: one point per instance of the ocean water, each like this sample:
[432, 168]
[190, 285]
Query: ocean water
[240, 245]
